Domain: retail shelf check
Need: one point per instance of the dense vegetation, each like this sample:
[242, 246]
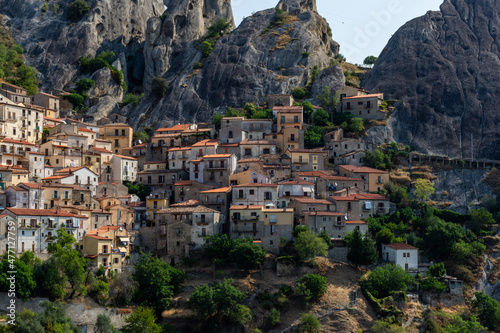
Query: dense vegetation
[12, 66]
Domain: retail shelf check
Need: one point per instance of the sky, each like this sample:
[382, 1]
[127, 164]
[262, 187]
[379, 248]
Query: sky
[361, 27]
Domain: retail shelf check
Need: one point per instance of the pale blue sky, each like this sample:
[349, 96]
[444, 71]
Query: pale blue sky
[361, 27]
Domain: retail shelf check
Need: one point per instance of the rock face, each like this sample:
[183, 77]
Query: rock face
[445, 66]
[53, 44]
[244, 66]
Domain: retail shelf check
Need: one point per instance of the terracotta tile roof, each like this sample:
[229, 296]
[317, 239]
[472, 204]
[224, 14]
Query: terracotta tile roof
[107, 228]
[179, 149]
[401, 246]
[68, 170]
[26, 143]
[48, 166]
[187, 203]
[288, 109]
[83, 129]
[297, 182]
[249, 160]
[102, 140]
[355, 222]
[316, 213]
[312, 201]
[229, 144]
[340, 178]
[35, 153]
[178, 127]
[31, 185]
[218, 190]
[246, 142]
[43, 212]
[102, 150]
[358, 197]
[53, 119]
[245, 207]
[361, 169]
[16, 188]
[99, 238]
[74, 187]
[256, 185]
[125, 157]
[310, 173]
[207, 142]
[189, 209]
[217, 156]
[56, 177]
[364, 96]
[137, 204]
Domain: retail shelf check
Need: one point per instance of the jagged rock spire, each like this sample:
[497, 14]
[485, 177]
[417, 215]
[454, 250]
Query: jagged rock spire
[297, 6]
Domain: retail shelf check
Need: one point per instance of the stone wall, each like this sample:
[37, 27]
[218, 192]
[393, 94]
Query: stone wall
[338, 253]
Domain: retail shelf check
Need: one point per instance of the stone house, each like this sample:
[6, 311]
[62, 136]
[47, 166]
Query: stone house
[138, 152]
[294, 189]
[217, 168]
[279, 100]
[125, 168]
[307, 159]
[181, 230]
[120, 135]
[401, 254]
[365, 106]
[178, 157]
[288, 137]
[218, 199]
[229, 148]
[25, 195]
[232, 134]
[327, 186]
[374, 179]
[361, 206]
[256, 148]
[277, 167]
[288, 116]
[303, 205]
[189, 189]
[257, 128]
[255, 194]
[59, 195]
[247, 177]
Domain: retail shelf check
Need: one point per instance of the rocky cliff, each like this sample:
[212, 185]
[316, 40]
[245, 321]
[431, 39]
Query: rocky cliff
[445, 67]
[256, 59]
[53, 44]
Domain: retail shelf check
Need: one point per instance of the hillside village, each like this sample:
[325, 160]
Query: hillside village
[189, 184]
[253, 177]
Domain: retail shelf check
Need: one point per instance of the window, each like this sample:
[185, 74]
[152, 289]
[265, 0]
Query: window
[295, 119]
[283, 119]
[248, 151]
[252, 192]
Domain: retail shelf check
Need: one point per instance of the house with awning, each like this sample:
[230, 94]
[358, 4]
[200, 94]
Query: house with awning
[107, 246]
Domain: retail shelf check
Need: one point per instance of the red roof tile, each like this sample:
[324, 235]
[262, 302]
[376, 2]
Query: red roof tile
[361, 169]
[401, 246]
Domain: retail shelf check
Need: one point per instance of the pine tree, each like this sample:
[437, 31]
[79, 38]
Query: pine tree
[360, 249]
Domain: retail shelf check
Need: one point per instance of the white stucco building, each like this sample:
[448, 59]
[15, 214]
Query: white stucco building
[401, 254]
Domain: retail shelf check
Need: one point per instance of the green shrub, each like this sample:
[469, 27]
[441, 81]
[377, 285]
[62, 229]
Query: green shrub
[299, 93]
[311, 287]
[159, 86]
[433, 285]
[305, 54]
[219, 28]
[131, 99]
[89, 65]
[206, 47]
[198, 65]
[275, 317]
[488, 309]
[309, 323]
[45, 7]
[383, 281]
[75, 99]
[76, 10]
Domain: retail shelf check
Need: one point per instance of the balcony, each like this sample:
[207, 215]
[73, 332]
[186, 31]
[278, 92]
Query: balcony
[382, 210]
[293, 139]
[105, 252]
[203, 222]
[50, 239]
[52, 226]
[29, 226]
[11, 119]
[245, 218]
[70, 226]
[201, 234]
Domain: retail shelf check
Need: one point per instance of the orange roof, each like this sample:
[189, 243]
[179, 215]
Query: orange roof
[401, 246]
[53, 119]
[358, 197]
[83, 129]
[252, 207]
[43, 212]
[126, 157]
[311, 151]
[48, 166]
[310, 173]
[217, 156]
[312, 201]
[256, 185]
[179, 148]
[218, 190]
[297, 182]
[99, 237]
[69, 170]
[7, 140]
[178, 127]
[364, 96]
[35, 153]
[356, 222]
[340, 178]
[206, 142]
[361, 169]
[102, 150]
[107, 228]
[31, 185]
[55, 177]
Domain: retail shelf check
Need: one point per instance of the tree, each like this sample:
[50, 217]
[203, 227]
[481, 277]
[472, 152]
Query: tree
[76, 10]
[241, 315]
[83, 85]
[218, 246]
[321, 118]
[299, 93]
[309, 323]
[75, 99]
[423, 189]
[479, 219]
[216, 301]
[360, 249]
[487, 308]
[275, 317]
[156, 282]
[309, 245]
[460, 325]
[356, 125]
[440, 237]
[24, 277]
[159, 86]
[314, 284]
[103, 324]
[384, 280]
[49, 279]
[370, 61]
[327, 99]
[207, 48]
[142, 320]
[308, 109]
[141, 190]
[437, 270]
[216, 120]
[382, 326]
[377, 160]
[395, 193]
[219, 28]
[313, 137]
[51, 319]
[70, 261]
[247, 255]
[384, 236]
